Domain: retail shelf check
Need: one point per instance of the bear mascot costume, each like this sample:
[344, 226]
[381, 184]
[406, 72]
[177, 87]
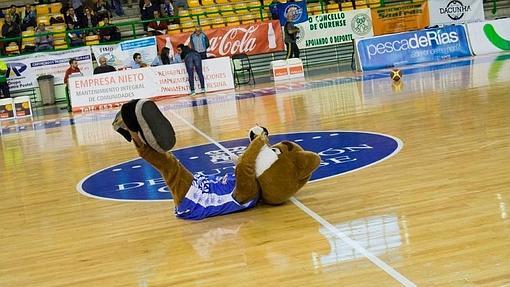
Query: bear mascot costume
[263, 173]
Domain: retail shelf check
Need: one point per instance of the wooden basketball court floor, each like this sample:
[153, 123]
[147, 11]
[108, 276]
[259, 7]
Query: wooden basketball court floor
[434, 214]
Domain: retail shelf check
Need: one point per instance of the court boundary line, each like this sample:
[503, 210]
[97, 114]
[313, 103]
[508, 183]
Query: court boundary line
[374, 259]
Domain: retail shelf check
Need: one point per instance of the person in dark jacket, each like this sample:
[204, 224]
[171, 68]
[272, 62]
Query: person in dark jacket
[193, 61]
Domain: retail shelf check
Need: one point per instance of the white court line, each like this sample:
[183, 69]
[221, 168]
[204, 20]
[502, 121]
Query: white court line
[374, 259]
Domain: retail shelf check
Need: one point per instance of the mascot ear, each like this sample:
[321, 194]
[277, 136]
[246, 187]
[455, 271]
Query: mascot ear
[306, 162]
[257, 131]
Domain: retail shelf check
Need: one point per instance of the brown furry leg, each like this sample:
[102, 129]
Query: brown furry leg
[247, 187]
[176, 176]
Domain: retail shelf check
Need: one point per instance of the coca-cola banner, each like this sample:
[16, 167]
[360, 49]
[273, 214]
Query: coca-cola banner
[252, 39]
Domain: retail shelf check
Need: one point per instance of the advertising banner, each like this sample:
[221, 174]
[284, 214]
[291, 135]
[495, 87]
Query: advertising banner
[104, 91]
[334, 28]
[24, 70]
[400, 18]
[251, 39]
[296, 10]
[455, 11]
[413, 47]
[489, 37]
[121, 55]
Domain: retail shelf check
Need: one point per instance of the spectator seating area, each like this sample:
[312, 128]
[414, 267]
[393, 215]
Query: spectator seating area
[59, 27]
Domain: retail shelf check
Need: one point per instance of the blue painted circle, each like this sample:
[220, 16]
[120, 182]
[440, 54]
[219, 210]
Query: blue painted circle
[341, 152]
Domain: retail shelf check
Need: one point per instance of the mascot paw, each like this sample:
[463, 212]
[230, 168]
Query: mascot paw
[257, 131]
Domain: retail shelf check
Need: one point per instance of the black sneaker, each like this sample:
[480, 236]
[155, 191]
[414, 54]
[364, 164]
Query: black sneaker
[154, 127]
[120, 127]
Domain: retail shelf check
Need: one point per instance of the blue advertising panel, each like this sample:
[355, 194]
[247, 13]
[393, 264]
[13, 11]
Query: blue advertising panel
[296, 10]
[413, 47]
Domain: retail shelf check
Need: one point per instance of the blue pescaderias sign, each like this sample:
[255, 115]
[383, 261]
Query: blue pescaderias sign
[415, 47]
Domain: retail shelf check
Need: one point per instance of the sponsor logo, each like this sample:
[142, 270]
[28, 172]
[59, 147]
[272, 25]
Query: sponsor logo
[295, 12]
[495, 38]
[455, 9]
[236, 40]
[430, 39]
[16, 69]
[361, 24]
[340, 151]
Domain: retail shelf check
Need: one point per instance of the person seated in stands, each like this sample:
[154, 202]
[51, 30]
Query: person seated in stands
[137, 61]
[164, 58]
[10, 29]
[43, 41]
[72, 19]
[158, 26]
[109, 32]
[14, 14]
[89, 20]
[146, 12]
[29, 19]
[168, 8]
[103, 66]
[102, 9]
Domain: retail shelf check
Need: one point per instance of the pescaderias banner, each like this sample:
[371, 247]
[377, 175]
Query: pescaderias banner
[104, 91]
[489, 37]
[413, 47]
[334, 28]
[455, 11]
[24, 70]
[251, 39]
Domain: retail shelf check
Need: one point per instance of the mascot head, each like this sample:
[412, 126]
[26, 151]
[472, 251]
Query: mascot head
[282, 169]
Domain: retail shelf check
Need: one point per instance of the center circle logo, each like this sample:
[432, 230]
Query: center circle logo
[361, 24]
[340, 151]
[294, 11]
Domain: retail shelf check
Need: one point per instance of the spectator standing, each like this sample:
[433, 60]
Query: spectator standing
[72, 20]
[146, 11]
[103, 67]
[14, 14]
[290, 38]
[199, 42]
[117, 7]
[77, 5]
[4, 85]
[102, 9]
[73, 70]
[29, 19]
[43, 41]
[167, 8]
[10, 29]
[193, 61]
[89, 20]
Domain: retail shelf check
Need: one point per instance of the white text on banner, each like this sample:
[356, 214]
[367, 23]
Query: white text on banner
[443, 12]
[105, 91]
[335, 28]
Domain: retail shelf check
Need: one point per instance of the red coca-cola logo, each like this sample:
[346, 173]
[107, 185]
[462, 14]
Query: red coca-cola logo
[251, 39]
[236, 41]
